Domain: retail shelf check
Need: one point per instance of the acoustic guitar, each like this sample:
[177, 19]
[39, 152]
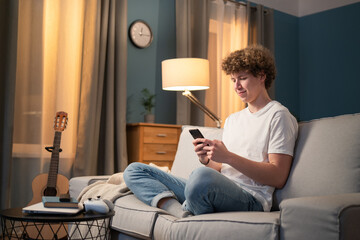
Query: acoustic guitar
[51, 183]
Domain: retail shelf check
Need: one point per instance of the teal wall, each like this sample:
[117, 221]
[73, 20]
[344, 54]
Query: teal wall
[317, 58]
[329, 62]
[144, 65]
[286, 51]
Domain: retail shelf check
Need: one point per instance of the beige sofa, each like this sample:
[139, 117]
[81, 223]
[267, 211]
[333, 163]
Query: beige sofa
[321, 199]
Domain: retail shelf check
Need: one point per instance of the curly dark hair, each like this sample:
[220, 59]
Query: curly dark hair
[255, 59]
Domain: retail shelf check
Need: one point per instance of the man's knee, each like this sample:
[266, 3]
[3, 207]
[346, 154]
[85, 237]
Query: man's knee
[199, 181]
[130, 170]
[203, 174]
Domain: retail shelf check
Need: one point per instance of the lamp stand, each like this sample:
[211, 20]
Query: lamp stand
[207, 111]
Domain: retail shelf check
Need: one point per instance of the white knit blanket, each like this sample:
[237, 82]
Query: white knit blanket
[111, 189]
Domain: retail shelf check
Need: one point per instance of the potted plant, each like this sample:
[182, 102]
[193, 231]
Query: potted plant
[148, 101]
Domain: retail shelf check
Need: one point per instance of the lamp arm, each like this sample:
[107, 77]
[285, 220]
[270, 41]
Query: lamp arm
[207, 111]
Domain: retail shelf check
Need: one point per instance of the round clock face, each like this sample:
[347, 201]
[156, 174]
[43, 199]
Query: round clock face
[140, 34]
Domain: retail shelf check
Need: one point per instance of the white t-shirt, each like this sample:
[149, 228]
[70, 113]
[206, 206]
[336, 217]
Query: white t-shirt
[272, 129]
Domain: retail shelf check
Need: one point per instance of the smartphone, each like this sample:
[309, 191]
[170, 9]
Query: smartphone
[196, 133]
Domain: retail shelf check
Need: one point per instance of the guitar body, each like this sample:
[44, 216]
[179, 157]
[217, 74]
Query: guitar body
[39, 187]
[51, 184]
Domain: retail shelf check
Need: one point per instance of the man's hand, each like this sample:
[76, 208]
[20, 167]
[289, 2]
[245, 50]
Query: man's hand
[201, 145]
[199, 148]
[216, 151]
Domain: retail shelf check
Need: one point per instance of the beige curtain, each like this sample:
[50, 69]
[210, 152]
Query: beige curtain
[71, 56]
[8, 41]
[192, 24]
[101, 145]
[232, 26]
[261, 31]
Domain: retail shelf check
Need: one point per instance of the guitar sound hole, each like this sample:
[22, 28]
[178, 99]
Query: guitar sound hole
[50, 191]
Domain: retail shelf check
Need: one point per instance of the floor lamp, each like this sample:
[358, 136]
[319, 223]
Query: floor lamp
[188, 74]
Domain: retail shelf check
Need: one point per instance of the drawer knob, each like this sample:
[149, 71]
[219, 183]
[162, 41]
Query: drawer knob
[161, 135]
[160, 152]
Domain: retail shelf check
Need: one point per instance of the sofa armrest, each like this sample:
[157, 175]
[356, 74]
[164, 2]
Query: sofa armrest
[77, 184]
[324, 217]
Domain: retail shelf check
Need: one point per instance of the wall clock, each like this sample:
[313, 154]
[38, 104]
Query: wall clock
[140, 34]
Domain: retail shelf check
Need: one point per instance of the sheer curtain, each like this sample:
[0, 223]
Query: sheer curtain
[71, 56]
[48, 75]
[212, 29]
[232, 26]
[228, 31]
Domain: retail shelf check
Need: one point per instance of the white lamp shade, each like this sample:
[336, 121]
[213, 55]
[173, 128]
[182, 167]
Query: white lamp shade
[182, 74]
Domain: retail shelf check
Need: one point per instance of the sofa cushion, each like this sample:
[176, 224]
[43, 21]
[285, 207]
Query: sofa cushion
[134, 217]
[326, 160]
[186, 159]
[230, 225]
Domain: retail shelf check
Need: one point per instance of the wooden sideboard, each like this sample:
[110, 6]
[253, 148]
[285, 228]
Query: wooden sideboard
[152, 143]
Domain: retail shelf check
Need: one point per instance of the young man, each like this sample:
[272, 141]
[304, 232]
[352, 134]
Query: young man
[242, 171]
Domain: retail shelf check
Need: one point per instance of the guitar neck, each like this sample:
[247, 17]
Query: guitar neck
[54, 164]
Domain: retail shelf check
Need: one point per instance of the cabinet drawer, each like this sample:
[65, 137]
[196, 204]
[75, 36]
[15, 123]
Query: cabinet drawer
[159, 151]
[160, 135]
[160, 163]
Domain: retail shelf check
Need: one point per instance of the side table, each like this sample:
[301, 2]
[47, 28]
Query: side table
[16, 224]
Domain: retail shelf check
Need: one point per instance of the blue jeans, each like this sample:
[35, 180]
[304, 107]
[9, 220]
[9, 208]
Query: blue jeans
[206, 190]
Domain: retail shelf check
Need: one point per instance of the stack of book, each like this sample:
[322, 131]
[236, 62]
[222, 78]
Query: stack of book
[54, 205]
[57, 202]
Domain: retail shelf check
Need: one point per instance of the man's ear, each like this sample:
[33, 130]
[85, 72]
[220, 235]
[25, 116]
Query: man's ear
[262, 77]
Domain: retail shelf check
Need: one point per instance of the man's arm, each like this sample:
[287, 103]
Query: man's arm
[273, 173]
